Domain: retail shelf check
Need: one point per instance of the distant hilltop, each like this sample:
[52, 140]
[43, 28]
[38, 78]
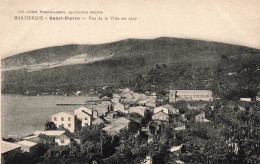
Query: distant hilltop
[172, 48]
[78, 66]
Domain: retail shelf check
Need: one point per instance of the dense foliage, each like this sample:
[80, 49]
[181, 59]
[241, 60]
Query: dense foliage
[231, 79]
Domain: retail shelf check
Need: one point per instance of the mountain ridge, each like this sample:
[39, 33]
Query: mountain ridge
[129, 58]
[63, 52]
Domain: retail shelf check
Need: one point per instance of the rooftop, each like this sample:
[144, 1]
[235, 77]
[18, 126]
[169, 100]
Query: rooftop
[140, 108]
[119, 127]
[26, 143]
[176, 148]
[107, 127]
[98, 121]
[50, 132]
[160, 108]
[116, 95]
[7, 146]
[194, 92]
[114, 128]
[83, 108]
[105, 97]
[63, 136]
[206, 120]
[30, 137]
[179, 161]
[168, 106]
[67, 113]
[71, 135]
[82, 114]
[161, 113]
[143, 101]
[93, 99]
[121, 120]
[45, 137]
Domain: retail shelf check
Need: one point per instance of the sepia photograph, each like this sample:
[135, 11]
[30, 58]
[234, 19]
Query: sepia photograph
[130, 82]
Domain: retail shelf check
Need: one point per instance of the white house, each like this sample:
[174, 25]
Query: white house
[114, 130]
[62, 140]
[78, 93]
[179, 162]
[85, 115]
[183, 117]
[66, 138]
[246, 99]
[257, 98]
[171, 109]
[147, 160]
[150, 104]
[64, 119]
[140, 96]
[115, 100]
[138, 109]
[122, 121]
[180, 126]
[102, 108]
[120, 107]
[116, 96]
[160, 116]
[9, 151]
[161, 108]
[90, 111]
[28, 146]
[116, 126]
[196, 106]
[85, 118]
[142, 102]
[105, 98]
[176, 148]
[200, 117]
[153, 94]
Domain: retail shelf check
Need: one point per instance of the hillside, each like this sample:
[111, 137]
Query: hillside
[79, 66]
[59, 54]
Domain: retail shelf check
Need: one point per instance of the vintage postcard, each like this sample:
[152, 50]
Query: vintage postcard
[134, 82]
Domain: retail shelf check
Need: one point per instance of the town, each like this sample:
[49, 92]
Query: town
[126, 126]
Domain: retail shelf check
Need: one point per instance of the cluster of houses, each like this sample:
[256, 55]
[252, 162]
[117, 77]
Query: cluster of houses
[108, 112]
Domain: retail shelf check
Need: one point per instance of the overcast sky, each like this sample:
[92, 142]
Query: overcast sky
[229, 21]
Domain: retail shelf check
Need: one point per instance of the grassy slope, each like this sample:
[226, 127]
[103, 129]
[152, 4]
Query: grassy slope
[60, 53]
[132, 56]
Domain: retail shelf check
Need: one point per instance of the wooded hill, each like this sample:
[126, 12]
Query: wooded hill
[143, 64]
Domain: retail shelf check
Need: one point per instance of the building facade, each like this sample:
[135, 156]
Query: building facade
[200, 117]
[190, 95]
[160, 116]
[257, 98]
[63, 140]
[171, 109]
[246, 99]
[66, 138]
[28, 146]
[138, 109]
[85, 118]
[161, 108]
[119, 107]
[64, 119]
[9, 151]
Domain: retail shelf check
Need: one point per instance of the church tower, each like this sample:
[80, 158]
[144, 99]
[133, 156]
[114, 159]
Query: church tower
[172, 96]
